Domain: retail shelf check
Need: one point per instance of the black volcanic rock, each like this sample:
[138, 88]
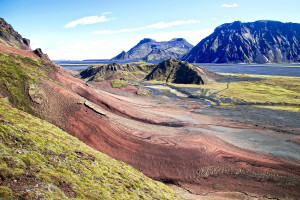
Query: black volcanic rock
[11, 37]
[40, 54]
[150, 50]
[260, 42]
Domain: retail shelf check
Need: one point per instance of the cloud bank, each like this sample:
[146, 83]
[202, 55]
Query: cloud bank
[159, 25]
[229, 5]
[88, 20]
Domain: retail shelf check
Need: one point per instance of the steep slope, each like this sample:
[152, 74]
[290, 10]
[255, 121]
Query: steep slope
[150, 50]
[40, 161]
[174, 71]
[259, 42]
[10, 37]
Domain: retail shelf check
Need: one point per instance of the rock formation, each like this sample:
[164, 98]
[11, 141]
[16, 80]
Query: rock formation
[11, 37]
[150, 50]
[258, 42]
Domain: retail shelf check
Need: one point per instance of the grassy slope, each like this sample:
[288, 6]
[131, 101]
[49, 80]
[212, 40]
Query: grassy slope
[38, 159]
[139, 69]
[57, 165]
[16, 74]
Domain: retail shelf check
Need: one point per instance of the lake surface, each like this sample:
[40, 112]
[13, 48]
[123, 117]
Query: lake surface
[267, 69]
[79, 65]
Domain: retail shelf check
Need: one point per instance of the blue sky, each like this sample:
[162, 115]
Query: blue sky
[97, 29]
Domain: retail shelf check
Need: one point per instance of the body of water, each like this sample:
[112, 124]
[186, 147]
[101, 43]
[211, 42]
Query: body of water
[79, 65]
[267, 69]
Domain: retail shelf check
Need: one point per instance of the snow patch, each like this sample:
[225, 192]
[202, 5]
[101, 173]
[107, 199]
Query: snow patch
[216, 60]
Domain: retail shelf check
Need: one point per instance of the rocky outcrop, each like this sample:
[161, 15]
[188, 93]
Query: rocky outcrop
[174, 71]
[11, 37]
[150, 50]
[40, 54]
[258, 42]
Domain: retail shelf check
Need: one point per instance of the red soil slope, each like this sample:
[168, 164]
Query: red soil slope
[161, 140]
[155, 138]
[9, 49]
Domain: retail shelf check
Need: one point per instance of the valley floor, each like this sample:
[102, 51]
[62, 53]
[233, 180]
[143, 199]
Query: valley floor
[210, 149]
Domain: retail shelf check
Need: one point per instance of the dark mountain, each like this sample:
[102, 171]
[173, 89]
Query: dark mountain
[174, 71]
[260, 42]
[11, 37]
[150, 50]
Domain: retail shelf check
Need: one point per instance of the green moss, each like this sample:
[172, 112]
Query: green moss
[16, 73]
[118, 83]
[274, 92]
[5, 193]
[51, 164]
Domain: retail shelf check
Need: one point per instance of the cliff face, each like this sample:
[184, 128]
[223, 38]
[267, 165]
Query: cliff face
[258, 42]
[150, 50]
[11, 37]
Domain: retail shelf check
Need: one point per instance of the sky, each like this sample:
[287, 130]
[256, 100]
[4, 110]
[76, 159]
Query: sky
[101, 29]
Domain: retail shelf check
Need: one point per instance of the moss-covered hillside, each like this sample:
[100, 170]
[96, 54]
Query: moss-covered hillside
[130, 71]
[40, 161]
[19, 73]
[119, 75]
[174, 71]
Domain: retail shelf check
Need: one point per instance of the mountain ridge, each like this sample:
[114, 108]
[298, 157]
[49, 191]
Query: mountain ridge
[11, 37]
[251, 42]
[151, 50]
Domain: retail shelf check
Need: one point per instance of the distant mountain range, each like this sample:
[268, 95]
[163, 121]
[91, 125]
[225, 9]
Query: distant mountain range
[150, 50]
[237, 42]
[258, 42]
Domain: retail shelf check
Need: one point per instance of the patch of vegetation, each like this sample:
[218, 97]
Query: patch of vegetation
[17, 73]
[274, 92]
[40, 161]
[118, 83]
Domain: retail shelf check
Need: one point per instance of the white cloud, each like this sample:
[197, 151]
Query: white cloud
[88, 20]
[229, 5]
[159, 25]
[213, 19]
